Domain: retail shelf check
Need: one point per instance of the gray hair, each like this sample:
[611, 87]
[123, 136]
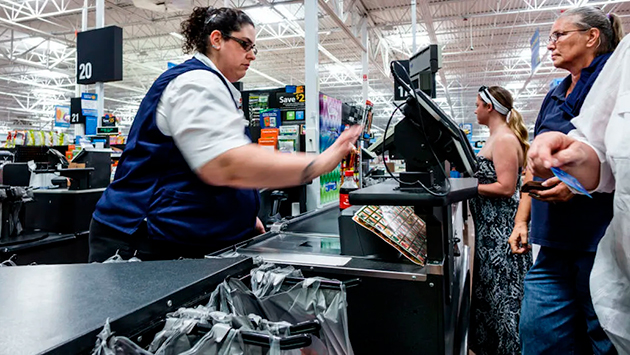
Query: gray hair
[609, 25]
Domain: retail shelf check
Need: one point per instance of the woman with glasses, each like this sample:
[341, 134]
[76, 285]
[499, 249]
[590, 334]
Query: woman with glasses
[557, 313]
[187, 181]
[597, 153]
[497, 274]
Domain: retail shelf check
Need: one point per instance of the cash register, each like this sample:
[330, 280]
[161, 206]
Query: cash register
[428, 140]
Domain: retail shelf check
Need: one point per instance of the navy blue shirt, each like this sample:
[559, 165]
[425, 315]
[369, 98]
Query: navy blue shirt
[579, 223]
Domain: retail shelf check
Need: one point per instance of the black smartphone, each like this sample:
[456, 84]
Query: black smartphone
[535, 185]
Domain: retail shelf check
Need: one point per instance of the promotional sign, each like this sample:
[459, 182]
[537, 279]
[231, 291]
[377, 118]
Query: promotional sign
[89, 105]
[270, 118]
[329, 129]
[256, 104]
[76, 115]
[99, 55]
[62, 116]
[108, 120]
[468, 129]
[400, 94]
[534, 44]
[292, 105]
[90, 125]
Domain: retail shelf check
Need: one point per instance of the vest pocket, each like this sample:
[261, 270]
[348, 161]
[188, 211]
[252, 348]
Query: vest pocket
[202, 218]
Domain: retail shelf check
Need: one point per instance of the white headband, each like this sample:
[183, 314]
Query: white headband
[489, 99]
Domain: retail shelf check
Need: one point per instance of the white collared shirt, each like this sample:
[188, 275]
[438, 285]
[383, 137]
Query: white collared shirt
[196, 109]
[604, 124]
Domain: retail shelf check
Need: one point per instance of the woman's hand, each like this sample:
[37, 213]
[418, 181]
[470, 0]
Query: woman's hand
[260, 227]
[559, 193]
[332, 156]
[518, 239]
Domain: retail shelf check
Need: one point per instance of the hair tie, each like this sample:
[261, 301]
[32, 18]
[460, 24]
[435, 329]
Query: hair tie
[210, 15]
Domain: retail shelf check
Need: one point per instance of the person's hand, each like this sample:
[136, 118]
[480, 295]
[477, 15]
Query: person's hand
[260, 227]
[344, 144]
[518, 239]
[559, 193]
[554, 149]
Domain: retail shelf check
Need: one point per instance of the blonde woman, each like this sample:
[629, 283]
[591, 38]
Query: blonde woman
[497, 274]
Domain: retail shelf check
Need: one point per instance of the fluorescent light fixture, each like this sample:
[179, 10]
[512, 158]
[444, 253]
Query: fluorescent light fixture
[405, 41]
[514, 85]
[45, 92]
[262, 15]
[285, 12]
[33, 41]
[177, 35]
[267, 76]
[49, 74]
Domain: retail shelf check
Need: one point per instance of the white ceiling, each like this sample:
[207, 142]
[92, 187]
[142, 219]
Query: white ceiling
[483, 42]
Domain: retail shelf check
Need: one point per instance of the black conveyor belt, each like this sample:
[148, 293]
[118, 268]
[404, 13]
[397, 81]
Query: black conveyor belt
[324, 223]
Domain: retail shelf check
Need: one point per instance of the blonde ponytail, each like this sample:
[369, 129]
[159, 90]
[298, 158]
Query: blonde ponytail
[516, 124]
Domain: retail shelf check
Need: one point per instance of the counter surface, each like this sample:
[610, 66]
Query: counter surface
[59, 309]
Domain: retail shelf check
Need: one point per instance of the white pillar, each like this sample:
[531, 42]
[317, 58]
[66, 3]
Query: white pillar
[311, 82]
[364, 60]
[100, 87]
[413, 26]
[79, 128]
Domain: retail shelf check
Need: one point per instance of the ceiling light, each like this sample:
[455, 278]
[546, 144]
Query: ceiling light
[177, 35]
[49, 74]
[45, 92]
[286, 13]
[34, 41]
[262, 15]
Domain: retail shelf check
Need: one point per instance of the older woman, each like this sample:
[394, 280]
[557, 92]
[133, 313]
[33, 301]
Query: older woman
[602, 165]
[557, 313]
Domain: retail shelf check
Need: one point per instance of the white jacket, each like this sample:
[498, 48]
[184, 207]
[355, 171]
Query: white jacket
[604, 124]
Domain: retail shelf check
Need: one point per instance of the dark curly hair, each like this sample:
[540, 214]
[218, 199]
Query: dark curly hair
[204, 20]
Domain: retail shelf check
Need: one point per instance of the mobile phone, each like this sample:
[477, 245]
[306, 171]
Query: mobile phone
[535, 185]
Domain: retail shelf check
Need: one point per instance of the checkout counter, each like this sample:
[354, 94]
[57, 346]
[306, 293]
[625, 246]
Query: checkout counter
[397, 307]
[55, 221]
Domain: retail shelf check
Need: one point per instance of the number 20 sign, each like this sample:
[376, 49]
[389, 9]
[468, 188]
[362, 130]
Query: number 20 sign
[99, 55]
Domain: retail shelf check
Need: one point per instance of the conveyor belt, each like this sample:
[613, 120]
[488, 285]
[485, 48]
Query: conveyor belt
[323, 223]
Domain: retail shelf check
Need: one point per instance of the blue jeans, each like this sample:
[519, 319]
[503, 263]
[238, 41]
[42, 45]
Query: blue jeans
[557, 315]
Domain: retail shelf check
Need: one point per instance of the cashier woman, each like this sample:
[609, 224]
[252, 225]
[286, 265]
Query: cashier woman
[187, 182]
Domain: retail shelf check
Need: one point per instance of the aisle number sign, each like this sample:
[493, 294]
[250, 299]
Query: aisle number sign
[400, 94]
[99, 55]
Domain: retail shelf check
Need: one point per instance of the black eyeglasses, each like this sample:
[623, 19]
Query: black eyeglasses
[247, 45]
[554, 37]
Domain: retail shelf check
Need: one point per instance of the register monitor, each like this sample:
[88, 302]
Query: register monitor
[426, 138]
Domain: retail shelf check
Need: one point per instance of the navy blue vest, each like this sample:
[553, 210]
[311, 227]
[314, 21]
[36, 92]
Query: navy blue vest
[154, 182]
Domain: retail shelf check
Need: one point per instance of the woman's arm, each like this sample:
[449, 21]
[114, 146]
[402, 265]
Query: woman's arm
[251, 166]
[519, 238]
